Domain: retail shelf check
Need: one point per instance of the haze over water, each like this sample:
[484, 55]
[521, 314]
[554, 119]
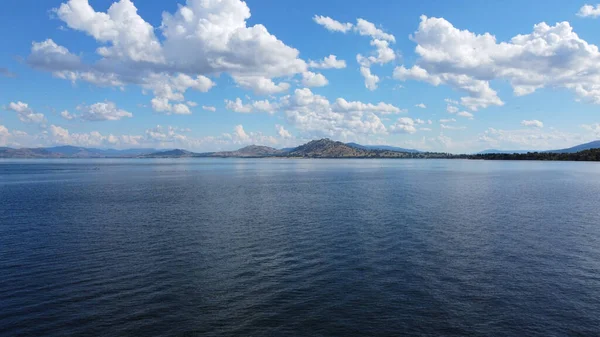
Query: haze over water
[299, 247]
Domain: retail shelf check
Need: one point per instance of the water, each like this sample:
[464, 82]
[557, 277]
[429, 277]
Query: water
[223, 247]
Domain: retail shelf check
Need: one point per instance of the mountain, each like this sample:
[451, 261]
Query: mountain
[177, 153]
[8, 152]
[250, 151]
[381, 147]
[83, 152]
[327, 148]
[578, 148]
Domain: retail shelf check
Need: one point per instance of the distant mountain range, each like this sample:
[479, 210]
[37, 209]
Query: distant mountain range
[322, 148]
[70, 152]
[382, 147]
[574, 149]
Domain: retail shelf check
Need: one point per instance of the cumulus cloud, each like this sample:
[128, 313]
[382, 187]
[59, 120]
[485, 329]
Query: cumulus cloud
[67, 115]
[25, 113]
[532, 123]
[255, 106]
[366, 28]
[310, 79]
[380, 40]
[209, 108]
[465, 114]
[421, 105]
[370, 79]
[328, 62]
[317, 117]
[102, 111]
[282, 132]
[342, 105]
[404, 125]
[331, 24]
[200, 39]
[589, 11]
[550, 56]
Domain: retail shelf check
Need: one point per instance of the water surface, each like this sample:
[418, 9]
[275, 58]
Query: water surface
[251, 247]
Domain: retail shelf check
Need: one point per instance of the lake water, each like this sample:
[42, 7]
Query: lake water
[245, 247]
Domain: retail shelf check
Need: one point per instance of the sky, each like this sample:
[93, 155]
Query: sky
[206, 75]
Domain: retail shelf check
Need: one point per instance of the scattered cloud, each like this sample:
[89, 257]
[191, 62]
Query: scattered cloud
[532, 123]
[209, 108]
[550, 56]
[25, 113]
[103, 111]
[404, 125]
[328, 62]
[200, 39]
[447, 120]
[589, 11]
[331, 24]
[255, 106]
[282, 132]
[310, 79]
[67, 115]
[421, 105]
[465, 114]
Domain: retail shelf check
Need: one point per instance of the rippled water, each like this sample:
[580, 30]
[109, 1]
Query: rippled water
[299, 247]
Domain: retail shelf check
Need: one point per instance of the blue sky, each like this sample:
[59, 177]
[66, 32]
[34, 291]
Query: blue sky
[457, 76]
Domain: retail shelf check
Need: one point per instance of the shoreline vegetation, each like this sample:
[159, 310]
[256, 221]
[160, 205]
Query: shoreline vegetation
[322, 148]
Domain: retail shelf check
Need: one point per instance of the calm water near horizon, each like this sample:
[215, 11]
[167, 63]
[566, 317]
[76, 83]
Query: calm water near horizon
[282, 247]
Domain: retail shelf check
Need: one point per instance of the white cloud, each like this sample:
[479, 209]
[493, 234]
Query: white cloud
[594, 128]
[447, 120]
[421, 105]
[200, 39]
[331, 24]
[103, 111]
[550, 56]
[384, 54]
[25, 113]
[404, 125]
[310, 79]
[328, 62]
[589, 11]
[282, 132]
[209, 108]
[370, 79]
[452, 127]
[452, 109]
[532, 139]
[532, 123]
[191, 104]
[465, 114]
[366, 28]
[67, 115]
[341, 105]
[255, 106]
[317, 117]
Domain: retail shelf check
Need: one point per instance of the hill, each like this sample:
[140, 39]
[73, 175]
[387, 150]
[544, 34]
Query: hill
[381, 148]
[578, 148]
[177, 153]
[250, 151]
[326, 148]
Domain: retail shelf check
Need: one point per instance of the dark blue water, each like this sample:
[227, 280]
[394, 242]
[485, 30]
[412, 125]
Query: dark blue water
[299, 248]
